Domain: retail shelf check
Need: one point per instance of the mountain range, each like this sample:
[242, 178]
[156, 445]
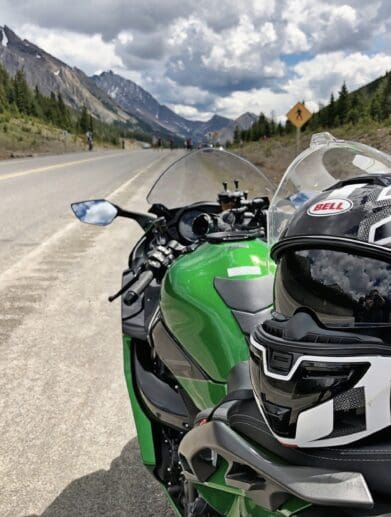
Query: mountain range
[108, 96]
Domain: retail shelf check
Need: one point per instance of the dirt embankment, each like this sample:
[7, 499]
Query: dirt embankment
[274, 155]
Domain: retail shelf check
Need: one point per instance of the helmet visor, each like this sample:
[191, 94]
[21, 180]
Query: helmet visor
[343, 289]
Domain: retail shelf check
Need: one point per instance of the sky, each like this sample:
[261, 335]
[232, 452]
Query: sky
[202, 57]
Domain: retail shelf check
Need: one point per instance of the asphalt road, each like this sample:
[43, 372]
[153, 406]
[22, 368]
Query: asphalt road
[36, 193]
[68, 444]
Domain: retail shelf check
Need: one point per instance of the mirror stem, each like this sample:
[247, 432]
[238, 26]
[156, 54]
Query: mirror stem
[144, 220]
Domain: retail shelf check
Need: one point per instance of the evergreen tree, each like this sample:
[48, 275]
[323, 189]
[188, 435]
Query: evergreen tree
[331, 112]
[289, 127]
[22, 96]
[386, 97]
[262, 125]
[4, 89]
[343, 104]
[237, 135]
[36, 104]
[84, 120]
[63, 113]
[272, 127]
[375, 107]
[357, 108]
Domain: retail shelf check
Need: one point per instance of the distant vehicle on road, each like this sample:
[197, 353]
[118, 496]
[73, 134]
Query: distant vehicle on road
[146, 145]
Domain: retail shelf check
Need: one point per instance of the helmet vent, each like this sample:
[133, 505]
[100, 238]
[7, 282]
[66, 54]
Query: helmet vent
[330, 339]
[349, 413]
[272, 329]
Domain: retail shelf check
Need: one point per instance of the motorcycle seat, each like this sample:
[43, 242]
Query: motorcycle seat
[371, 456]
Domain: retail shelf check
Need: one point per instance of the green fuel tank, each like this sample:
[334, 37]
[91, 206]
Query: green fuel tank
[200, 315]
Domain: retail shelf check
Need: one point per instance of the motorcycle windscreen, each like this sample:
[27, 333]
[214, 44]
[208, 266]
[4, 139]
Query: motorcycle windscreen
[343, 289]
[326, 162]
[199, 176]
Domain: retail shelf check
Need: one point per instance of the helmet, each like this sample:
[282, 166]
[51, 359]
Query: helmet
[321, 367]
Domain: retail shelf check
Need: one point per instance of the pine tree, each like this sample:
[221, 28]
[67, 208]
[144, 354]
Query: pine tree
[386, 96]
[343, 104]
[289, 127]
[262, 125]
[22, 96]
[331, 112]
[237, 135]
[84, 120]
[272, 127]
[62, 111]
[375, 107]
[357, 108]
[4, 89]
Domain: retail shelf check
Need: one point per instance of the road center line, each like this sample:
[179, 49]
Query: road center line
[57, 166]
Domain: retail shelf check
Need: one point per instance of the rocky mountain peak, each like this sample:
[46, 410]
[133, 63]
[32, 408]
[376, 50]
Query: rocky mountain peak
[108, 95]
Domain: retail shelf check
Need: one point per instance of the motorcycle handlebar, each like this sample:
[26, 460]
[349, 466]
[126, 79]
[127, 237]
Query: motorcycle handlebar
[139, 286]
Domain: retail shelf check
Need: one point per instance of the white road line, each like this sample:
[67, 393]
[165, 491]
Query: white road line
[54, 167]
[26, 260]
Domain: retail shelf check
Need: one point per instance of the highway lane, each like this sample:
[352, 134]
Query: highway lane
[68, 444]
[36, 193]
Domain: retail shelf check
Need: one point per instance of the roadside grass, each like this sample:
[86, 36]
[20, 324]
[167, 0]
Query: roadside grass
[25, 136]
[273, 155]
[22, 136]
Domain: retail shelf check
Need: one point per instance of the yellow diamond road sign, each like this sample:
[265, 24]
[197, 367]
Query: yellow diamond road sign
[299, 115]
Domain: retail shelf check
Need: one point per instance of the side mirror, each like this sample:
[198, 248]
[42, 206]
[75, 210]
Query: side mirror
[96, 211]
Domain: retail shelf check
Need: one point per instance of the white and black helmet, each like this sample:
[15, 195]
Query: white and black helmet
[321, 367]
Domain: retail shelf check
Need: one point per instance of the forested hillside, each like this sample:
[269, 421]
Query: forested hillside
[363, 115]
[369, 106]
[19, 102]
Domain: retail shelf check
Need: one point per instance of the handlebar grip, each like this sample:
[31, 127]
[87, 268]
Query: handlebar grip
[139, 286]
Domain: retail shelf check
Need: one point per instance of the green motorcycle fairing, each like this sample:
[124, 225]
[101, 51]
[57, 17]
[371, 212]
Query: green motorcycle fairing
[196, 314]
[201, 321]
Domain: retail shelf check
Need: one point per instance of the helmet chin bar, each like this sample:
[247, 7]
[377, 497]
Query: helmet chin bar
[328, 414]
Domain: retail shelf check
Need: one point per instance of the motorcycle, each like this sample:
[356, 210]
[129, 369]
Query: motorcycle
[199, 283]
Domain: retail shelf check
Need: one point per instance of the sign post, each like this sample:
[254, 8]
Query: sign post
[298, 116]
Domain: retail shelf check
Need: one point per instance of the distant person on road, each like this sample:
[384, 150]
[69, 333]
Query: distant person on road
[90, 140]
[159, 143]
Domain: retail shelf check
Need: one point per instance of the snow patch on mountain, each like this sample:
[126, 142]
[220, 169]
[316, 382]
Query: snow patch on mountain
[3, 37]
[113, 92]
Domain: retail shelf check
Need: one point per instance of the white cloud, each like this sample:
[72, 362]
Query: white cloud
[203, 56]
[190, 112]
[326, 72]
[314, 81]
[295, 40]
[88, 52]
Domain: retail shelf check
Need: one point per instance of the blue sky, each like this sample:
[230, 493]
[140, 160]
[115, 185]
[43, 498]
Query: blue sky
[214, 56]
